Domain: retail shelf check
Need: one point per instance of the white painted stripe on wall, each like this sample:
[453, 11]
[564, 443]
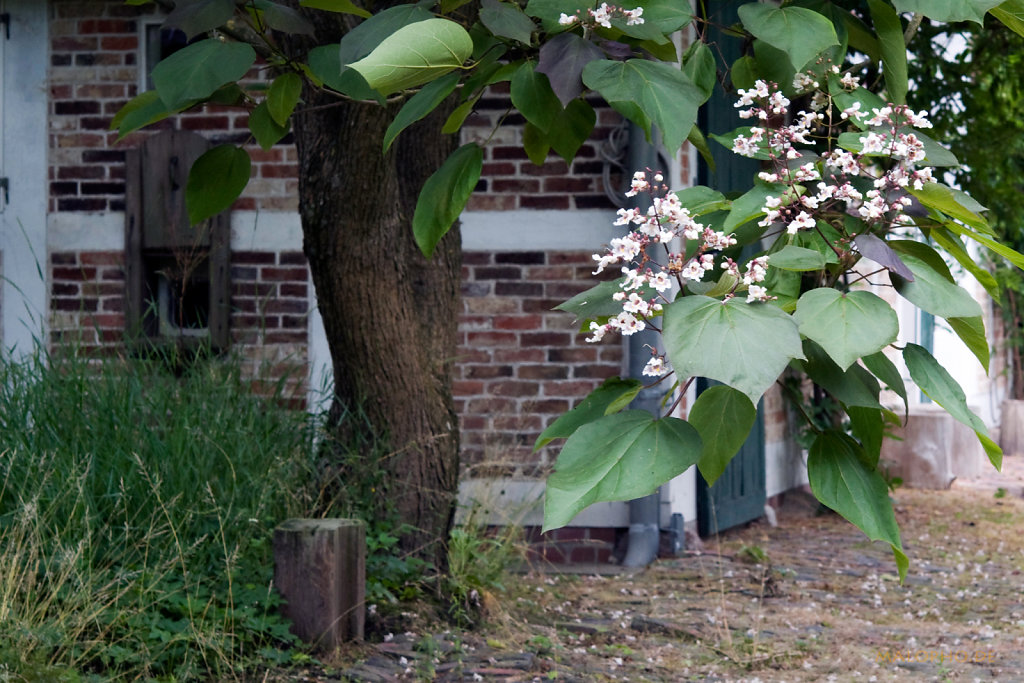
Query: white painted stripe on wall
[266, 231]
[535, 230]
[523, 230]
[521, 501]
[73, 231]
[250, 230]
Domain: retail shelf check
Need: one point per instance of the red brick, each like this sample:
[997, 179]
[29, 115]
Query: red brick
[253, 257]
[496, 168]
[67, 140]
[106, 26]
[551, 168]
[279, 170]
[467, 388]
[566, 290]
[490, 339]
[204, 122]
[489, 371]
[99, 59]
[508, 152]
[299, 337]
[568, 388]
[292, 258]
[517, 322]
[294, 306]
[544, 202]
[595, 371]
[74, 44]
[77, 304]
[573, 355]
[516, 423]
[80, 172]
[558, 257]
[294, 290]
[479, 202]
[287, 203]
[518, 289]
[74, 274]
[568, 184]
[542, 372]
[566, 535]
[260, 155]
[473, 356]
[541, 305]
[119, 42]
[513, 388]
[113, 305]
[489, 405]
[519, 185]
[497, 273]
[547, 405]
[559, 339]
[284, 274]
[519, 355]
[490, 305]
[102, 321]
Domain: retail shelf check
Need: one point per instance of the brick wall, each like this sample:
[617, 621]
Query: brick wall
[270, 304]
[509, 180]
[87, 299]
[94, 70]
[521, 364]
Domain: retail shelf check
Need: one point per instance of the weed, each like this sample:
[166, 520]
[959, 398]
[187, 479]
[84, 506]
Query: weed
[479, 557]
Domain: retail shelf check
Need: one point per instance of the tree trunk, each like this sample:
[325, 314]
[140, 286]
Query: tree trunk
[390, 314]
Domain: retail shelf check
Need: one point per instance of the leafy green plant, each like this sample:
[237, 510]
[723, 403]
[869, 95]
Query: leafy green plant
[479, 558]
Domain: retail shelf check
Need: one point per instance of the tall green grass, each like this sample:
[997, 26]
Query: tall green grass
[136, 511]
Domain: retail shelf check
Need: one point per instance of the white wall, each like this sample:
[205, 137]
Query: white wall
[23, 220]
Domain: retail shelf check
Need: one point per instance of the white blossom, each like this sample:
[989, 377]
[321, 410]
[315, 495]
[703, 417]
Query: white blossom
[655, 367]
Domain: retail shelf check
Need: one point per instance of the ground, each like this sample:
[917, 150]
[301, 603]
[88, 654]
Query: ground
[808, 600]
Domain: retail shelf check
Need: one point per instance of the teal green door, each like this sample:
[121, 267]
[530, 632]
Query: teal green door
[739, 494]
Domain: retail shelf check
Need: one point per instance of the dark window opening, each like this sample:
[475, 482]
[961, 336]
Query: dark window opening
[177, 295]
[159, 44]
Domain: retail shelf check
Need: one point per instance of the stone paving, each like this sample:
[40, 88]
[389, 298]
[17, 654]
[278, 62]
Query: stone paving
[808, 600]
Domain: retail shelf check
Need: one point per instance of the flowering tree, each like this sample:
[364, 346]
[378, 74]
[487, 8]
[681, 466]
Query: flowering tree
[847, 177]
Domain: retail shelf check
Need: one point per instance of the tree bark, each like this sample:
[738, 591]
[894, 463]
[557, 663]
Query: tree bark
[390, 315]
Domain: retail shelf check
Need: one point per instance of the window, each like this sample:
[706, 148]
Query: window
[158, 43]
[176, 275]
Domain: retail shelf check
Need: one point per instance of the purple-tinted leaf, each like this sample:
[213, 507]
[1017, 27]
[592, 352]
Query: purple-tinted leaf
[881, 253]
[562, 60]
[198, 16]
[616, 50]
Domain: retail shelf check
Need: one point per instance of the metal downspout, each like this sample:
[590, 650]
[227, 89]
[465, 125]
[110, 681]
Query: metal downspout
[644, 513]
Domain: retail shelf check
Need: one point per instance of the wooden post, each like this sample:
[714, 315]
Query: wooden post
[320, 571]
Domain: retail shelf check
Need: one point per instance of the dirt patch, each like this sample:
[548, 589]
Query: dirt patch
[808, 600]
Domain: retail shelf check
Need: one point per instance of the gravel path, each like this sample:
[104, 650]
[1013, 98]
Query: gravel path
[808, 600]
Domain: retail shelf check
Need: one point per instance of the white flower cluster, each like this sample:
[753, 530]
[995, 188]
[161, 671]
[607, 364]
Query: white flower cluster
[648, 267]
[603, 15]
[887, 141]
